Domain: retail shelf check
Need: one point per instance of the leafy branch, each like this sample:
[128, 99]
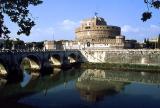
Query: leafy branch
[150, 4]
[18, 12]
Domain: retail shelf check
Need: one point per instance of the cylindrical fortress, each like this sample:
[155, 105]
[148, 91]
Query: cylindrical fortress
[96, 29]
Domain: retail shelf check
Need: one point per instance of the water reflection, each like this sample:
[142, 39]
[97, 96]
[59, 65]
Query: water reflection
[94, 85]
[31, 85]
[27, 77]
[93, 91]
[63, 88]
[30, 74]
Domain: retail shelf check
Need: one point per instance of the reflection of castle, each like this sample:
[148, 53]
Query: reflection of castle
[93, 86]
[93, 91]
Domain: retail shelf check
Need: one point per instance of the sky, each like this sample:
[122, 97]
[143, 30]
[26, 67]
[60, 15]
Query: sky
[57, 19]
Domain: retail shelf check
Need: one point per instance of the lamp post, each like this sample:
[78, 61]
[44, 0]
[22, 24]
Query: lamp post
[33, 46]
[13, 46]
[53, 41]
[155, 45]
[79, 45]
[25, 45]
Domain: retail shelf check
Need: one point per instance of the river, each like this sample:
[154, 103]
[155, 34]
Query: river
[79, 88]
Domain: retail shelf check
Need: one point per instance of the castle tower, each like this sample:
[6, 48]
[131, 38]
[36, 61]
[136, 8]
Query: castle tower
[96, 29]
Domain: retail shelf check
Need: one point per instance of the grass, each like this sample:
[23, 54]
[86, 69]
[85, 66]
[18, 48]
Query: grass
[122, 66]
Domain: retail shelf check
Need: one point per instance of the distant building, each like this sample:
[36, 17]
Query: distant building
[132, 44]
[59, 45]
[152, 43]
[154, 40]
[49, 45]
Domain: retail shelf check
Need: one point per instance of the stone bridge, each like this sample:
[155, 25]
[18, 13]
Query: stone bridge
[11, 60]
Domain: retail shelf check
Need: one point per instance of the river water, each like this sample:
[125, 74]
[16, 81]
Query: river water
[77, 88]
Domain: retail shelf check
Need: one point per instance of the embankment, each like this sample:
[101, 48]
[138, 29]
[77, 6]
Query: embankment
[122, 67]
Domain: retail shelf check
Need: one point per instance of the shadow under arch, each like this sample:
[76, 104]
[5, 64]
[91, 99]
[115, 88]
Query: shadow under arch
[56, 60]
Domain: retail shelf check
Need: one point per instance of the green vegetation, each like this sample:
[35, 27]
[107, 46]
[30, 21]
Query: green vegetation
[151, 44]
[122, 67]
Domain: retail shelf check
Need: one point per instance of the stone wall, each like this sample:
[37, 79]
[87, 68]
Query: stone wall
[139, 56]
[100, 32]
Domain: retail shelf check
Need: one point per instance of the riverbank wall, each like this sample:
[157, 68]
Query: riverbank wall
[124, 56]
[147, 60]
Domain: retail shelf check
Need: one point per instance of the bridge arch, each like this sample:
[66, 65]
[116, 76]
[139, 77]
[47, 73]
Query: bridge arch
[30, 62]
[3, 69]
[72, 58]
[56, 60]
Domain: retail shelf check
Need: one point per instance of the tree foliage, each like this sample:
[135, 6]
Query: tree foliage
[150, 4]
[18, 12]
[147, 43]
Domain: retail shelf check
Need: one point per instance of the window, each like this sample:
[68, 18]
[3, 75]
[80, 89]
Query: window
[87, 27]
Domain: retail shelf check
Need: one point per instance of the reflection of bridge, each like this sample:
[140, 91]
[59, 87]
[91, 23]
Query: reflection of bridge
[14, 92]
[12, 60]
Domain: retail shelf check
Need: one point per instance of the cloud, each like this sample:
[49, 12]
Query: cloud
[140, 33]
[62, 30]
[42, 31]
[131, 29]
[39, 34]
[155, 28]
[68, 24]
[128, 28]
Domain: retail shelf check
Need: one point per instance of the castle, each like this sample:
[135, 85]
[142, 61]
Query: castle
[94, 33]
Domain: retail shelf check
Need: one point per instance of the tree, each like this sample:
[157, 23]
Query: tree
[29, 45]
[8, 43]
[147, 43]
[150, 4]
[145, 40]
[19, 44]
[39, 45]
[17, 11]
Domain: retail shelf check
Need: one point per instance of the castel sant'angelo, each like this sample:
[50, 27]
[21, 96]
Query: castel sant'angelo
[96, 31]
